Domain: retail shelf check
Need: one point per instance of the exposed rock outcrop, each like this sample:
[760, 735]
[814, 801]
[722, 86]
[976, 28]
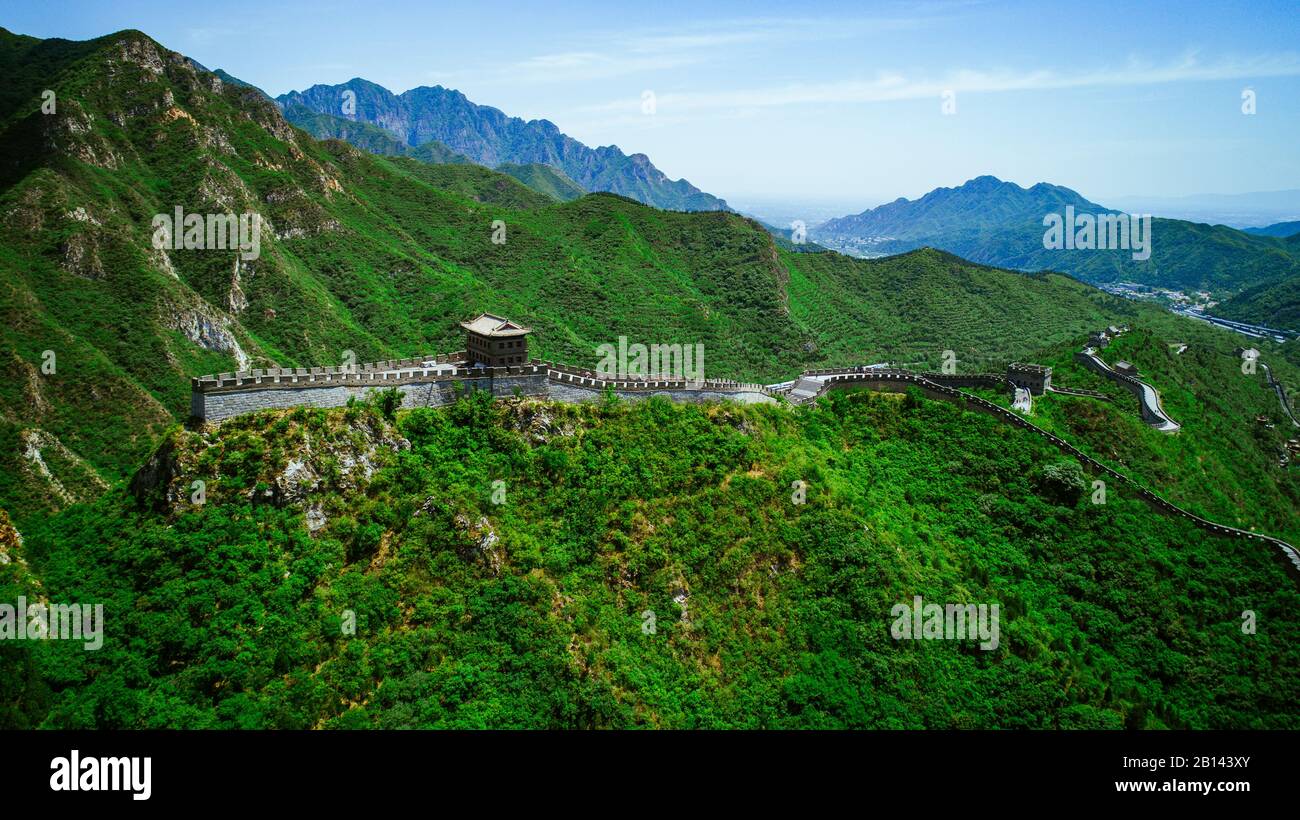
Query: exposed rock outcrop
[210, 333]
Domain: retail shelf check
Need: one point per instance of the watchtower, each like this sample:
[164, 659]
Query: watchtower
[494, 341]
[1035, 378]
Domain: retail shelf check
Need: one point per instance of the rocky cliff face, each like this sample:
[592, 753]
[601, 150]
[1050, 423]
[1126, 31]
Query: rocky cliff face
[490, 137]
[311, 462]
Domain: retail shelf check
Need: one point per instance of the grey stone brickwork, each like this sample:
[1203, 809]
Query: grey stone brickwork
[217, 398]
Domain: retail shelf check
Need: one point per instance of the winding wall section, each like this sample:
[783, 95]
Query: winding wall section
[437, 381]
[900, 381]
[1153, 412]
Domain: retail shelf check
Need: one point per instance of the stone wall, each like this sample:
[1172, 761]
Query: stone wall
[560, 391]
[215, 401]
[217, 406]
[1150, 415]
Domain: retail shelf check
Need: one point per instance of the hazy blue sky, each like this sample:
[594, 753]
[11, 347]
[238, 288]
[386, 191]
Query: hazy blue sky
[806, 102]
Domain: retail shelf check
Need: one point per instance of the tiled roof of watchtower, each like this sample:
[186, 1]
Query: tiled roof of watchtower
[488, 324]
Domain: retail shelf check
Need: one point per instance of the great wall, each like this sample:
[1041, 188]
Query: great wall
[1153, 411]
[436, 381]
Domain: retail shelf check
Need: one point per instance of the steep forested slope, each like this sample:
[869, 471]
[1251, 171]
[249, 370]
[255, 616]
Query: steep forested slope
[1275, 303]
[647, 566]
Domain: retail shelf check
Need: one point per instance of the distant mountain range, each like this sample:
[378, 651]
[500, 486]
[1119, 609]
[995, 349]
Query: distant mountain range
[982, 204]
[1000, 223]
[486, 136]
[369, 137]
[542, 178]
[1276, 229]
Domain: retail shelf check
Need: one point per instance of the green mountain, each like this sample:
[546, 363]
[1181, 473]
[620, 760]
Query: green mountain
[228, 78]
[981, 204]
[544, 178]
[380, 257]
[1273, 303]
[999, 223]
[1116, 615]
[1280, 229]
[646, 569]
[489, 137]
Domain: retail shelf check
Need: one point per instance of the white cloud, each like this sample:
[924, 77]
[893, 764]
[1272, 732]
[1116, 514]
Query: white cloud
[893, 86]
[602, 55]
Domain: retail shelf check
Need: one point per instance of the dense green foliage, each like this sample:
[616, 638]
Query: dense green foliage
[530, 612]
[550, 181]
[1275, 303]
[1224, 463]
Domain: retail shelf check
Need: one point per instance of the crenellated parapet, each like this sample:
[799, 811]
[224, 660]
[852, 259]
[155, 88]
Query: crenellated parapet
[343, 375]
[434, 381]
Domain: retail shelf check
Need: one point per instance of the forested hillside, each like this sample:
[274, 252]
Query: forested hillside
[380, 257]
[353, 568]
[648, 565]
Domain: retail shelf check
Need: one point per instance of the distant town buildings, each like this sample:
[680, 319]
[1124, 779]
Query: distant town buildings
[1100, 339]
[1196, 301]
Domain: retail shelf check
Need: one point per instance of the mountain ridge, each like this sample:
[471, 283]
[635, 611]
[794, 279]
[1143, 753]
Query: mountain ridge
[1278, 229]
[999, 200]
[490, 137]
[1001, 223]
